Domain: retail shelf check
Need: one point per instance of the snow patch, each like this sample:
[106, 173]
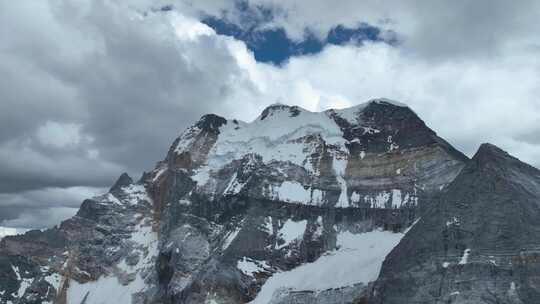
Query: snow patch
[277, 137]
[317, 196]
[201, 177]
[454, 221]
[106, 290]
[393, 146]
[249, 266]
[396, 198]
[111, 198]
[24, 282]
[159, 173]
[293, 192]
[340, 165]
[291, 231]
[135, 193]
[318, 228]
[343, 201]
[231, 236]
[379, 200]
[268, 227]
[390, 199]
[351, 114]
[465, 257]
[184, 202]
[358, 259]
[234, 186]
[54, 279]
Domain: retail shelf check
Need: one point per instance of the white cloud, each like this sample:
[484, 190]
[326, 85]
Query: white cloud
[61, 135]
[189, 28]
[429, 28]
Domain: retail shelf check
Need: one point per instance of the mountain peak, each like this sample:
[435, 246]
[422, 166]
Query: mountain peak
[489, 155]
[274, 108]
[386, 101]
[122, 181]
[490, 158]
[487, 149]
[488, 217]
[210, 122]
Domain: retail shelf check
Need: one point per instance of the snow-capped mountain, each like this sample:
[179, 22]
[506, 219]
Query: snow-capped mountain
[376, 154]
[360, 205]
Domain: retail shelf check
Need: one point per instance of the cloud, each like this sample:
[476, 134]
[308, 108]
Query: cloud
[101, 87]
[60, 135]
[432, 29]
[40, 218]
[44, 207]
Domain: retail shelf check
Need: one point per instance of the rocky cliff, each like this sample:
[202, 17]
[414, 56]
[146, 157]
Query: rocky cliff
[294, 207]
[478, 243]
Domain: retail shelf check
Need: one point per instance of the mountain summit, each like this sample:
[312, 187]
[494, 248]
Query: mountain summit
[479, 243]
[358, 205]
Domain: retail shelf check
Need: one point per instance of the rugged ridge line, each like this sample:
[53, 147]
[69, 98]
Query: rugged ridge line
[236, 210]
[480, 243]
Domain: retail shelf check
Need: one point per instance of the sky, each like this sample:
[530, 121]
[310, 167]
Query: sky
[94, 88]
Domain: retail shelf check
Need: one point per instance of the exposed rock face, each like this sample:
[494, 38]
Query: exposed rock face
[374, 155]
[480, 243]
[111, 236]
[245, 186]
[294, 207]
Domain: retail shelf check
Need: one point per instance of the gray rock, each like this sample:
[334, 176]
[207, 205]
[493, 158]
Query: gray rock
[479, 243]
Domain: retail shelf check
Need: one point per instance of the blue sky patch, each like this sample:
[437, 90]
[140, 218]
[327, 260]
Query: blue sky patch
[273, 45]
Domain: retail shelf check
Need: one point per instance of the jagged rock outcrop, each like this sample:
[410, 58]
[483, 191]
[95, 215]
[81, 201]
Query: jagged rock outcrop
[294, 207]
[480, 243]
[107, 251]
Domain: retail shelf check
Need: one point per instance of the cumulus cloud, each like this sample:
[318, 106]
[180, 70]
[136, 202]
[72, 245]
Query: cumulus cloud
[434, 29]
[100, 85]
[95, 88]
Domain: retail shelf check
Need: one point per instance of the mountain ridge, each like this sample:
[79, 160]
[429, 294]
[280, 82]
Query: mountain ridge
[486, 221]
[294, 207]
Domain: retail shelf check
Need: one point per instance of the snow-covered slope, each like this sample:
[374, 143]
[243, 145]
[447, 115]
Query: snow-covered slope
[376, 154]
[356, 262]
